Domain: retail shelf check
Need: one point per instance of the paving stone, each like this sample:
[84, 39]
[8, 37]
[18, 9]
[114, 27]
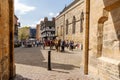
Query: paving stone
[31, 64]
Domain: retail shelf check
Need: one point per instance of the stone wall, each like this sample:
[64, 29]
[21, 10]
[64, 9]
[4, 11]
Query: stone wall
[38, 32]
[6, 65]
[73, 11]
[108, 69]
[104, 38]
[59, 23]
[4, 40]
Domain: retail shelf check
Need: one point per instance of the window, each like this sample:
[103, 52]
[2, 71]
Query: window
[74, 25]
[57, 30]
[81, 21]
[66, 26]
[61, 31]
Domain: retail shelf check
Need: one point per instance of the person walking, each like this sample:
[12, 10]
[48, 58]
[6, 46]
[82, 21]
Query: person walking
[43, 44]
[56, 44]
[59, 44]
[62, 46]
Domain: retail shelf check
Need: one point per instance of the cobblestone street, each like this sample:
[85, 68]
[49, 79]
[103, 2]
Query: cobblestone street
[31, 64]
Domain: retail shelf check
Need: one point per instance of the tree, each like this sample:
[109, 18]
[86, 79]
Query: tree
[24, 33]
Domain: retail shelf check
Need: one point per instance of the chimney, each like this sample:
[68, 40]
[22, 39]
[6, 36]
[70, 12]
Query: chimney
[53, 19]
[45, 19]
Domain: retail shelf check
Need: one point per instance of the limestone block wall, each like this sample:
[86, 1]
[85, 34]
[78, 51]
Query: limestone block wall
[38, 32]
[104, 37]
[4, 40]
[59, 23]
[74, 10]
[109, 69]
[7, 67]
[111, 35]
[78, 36]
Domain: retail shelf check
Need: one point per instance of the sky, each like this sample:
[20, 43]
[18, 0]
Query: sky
[31, 12]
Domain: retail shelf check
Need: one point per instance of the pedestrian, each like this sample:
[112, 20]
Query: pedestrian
[71, 45]
[56, 44]
[67, 43]
[37, 42]
[33, 43]
[62, 46]
[59, 44]
[44, 43]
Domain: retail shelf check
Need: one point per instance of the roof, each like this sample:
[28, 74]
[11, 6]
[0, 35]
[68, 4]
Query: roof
[15, 16]
[69, 6]
[48, 23]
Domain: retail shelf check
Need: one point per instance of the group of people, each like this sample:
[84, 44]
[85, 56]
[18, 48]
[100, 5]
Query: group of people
[27, 43]
[61, 44]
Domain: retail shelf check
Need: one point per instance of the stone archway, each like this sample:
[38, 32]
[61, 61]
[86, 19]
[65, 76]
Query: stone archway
[106, 38]
[100, 32]
[101, 21]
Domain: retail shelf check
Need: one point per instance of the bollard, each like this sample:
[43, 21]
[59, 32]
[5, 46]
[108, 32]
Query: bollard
[49, 60]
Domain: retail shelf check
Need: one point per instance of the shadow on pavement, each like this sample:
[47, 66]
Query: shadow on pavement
[60, 71]
[63, 66]
[19, 77]
[36, 58]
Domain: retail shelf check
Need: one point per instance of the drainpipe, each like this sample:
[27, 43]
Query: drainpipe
[86, 53]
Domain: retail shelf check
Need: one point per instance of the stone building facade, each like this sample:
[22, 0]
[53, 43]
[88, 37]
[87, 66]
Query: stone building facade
[16, 25]
[100, 36]
[38, 32]
[102, 31]
[47, 29]
[7, 66]
[70, 22]
[104, 39]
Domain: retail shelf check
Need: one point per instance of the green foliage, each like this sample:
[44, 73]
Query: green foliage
[23, 33]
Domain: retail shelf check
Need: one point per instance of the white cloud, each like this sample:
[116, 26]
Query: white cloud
[51, 14]
[57, 14]
[35, 23]
[22, 8]
[41, 19]
[38, 22]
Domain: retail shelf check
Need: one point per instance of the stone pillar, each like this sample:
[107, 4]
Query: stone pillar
[64, 28]
[86, 52]
[11, 39]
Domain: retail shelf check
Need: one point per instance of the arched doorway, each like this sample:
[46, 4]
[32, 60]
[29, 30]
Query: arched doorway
[100, 32]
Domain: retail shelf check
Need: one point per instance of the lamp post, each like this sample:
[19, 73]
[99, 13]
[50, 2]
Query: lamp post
[49, 55]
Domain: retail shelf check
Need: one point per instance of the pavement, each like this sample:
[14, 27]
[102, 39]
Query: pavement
[32, 64]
